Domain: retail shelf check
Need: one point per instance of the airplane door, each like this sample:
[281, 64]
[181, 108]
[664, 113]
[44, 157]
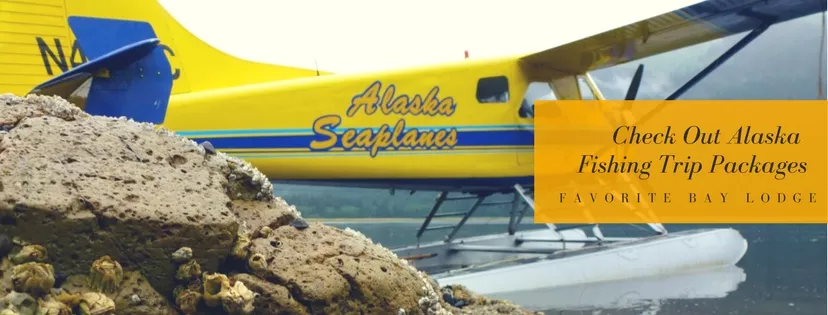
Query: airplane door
[535, 91]
[572, 88]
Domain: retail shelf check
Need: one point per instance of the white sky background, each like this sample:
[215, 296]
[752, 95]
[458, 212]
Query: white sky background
[366, 35]
[369, 35]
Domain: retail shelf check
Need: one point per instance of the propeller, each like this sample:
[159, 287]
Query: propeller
[632, 92]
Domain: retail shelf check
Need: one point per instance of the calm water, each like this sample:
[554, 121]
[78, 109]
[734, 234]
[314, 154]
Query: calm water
[784, 272]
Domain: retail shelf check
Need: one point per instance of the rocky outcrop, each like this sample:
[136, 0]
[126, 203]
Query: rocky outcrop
[326, 269]
[72, 181]
[100, 194]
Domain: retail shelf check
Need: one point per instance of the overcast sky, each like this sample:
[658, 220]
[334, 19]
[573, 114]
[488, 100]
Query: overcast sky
[783, 63]
[364, 35]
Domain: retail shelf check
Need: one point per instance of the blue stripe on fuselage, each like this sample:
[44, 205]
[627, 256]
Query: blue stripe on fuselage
[480, 184]
[299, 131]
[289, 154]
[464, 138]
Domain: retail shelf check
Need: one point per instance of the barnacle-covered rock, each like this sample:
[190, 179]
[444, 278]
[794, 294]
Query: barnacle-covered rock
[96, 303]
[274, 298]
[189, 271]
[51, 306]
[30, 253]
[216, 286]
[182, 255]
[20, 303]
[135, 296]
[88, 186]
[105, 275]
[34, 278]
[239, 299]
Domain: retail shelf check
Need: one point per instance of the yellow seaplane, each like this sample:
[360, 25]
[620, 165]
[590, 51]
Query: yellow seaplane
[462, 127]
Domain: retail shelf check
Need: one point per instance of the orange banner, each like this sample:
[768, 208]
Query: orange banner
[681, 161]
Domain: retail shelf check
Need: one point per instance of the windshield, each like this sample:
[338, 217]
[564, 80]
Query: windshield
[535, 91]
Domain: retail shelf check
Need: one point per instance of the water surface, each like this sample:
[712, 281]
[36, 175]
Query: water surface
[783, 272]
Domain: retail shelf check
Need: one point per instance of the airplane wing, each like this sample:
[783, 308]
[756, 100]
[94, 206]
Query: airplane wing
[695, 24]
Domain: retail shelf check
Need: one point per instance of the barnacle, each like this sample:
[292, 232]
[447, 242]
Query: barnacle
[242, 244]
[257, 263]
[105, 275]
[34, 278]
[20, 303]
[239, 299]
[51, 306]
[216, 286]
[69, 299]
[96, 303]
[190, 270]
[187, 299]
[16, 240]
[264, 232]
[135, 299]
[182, 255]
[29, 253]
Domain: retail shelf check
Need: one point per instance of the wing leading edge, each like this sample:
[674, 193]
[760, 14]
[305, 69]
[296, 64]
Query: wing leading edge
[674, 30]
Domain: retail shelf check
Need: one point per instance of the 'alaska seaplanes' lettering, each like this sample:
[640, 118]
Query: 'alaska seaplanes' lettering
[387, 136]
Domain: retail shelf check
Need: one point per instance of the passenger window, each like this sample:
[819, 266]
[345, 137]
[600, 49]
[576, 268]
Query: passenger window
[493, 90]
[535, 91]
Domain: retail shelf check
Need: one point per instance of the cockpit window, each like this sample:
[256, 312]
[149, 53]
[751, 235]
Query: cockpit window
[586, 92]
[535, 91]
[493, 90]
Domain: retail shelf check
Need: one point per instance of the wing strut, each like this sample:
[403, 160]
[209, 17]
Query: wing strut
[710, 68]
[719, 61]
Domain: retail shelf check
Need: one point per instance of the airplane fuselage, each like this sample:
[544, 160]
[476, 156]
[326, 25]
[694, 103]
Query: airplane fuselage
[455, 127]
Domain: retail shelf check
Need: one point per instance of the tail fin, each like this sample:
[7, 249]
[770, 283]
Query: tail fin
[135, 50]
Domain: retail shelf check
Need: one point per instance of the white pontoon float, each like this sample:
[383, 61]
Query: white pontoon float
[562, 256]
